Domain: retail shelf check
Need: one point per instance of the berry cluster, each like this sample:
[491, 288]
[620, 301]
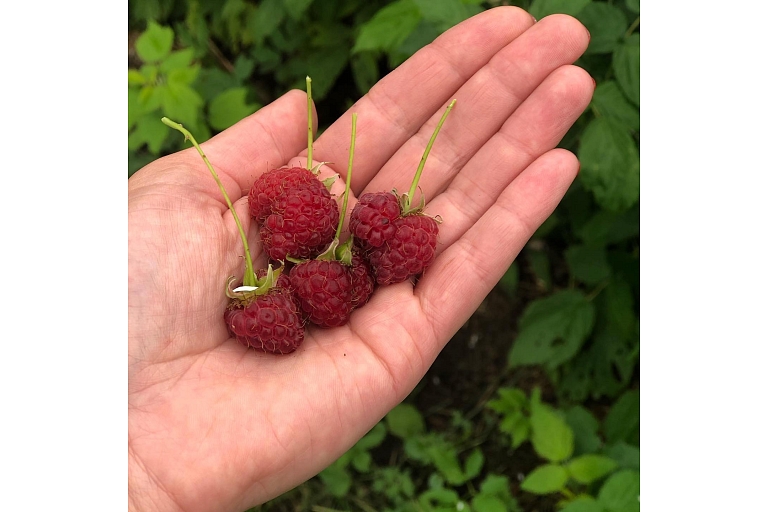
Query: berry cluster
[316, 278]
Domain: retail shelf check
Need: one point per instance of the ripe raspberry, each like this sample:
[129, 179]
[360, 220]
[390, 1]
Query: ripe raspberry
[372, 219]
[273, 185]
[408, 252]
[304, 224]
[269, 322]
[363, 281]
[324, 290]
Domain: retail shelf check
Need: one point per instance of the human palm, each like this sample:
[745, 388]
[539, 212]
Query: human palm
[216, 426]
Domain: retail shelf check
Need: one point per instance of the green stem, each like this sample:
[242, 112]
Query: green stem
[249, 279]
[632, 27]
[349, 177]
[309, 123]
[415, 183]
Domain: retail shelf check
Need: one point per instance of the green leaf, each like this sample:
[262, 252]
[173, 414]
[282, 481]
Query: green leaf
[336, 479]
[610, 164]
[296, 8]
[181, 103]
[440, 496]
[405, 421]
[585, 428]
[552, 329]
[606, 228]
[626, 65]
[583, 505]
[606, 24]
[155, 43]
[541, 8]
[150, 131]
[178, 60]
[626, 455]
[485, 503]
[136, 78]
[389, 27]
[183, 76]
[545, 479]
[365, 71]
[609, 101]
[212, 81]
[551, 436]
[446, 460]
[444, 13]
[497, 486]
[373, 438]
[623, 420]
[633, 5]
[134, 109]
[243, 68]
[151, 97]
[588, 264]
[473, 464]
[588, 468]
[264, 19]
[229, 107]
[362, 462]
[621, 492]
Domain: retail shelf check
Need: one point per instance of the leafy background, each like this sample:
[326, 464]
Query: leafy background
[535, 404]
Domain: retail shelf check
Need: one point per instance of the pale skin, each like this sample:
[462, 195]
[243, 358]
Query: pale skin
[215, 426]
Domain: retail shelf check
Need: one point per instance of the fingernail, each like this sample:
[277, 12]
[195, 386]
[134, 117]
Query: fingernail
[533, 17]
[589, 36]
[594, 84]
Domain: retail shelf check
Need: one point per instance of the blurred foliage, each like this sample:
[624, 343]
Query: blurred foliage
[209, 64]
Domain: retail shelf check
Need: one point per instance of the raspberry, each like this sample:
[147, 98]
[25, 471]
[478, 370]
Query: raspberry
[324, 290]
[304, 223]
[273, 185]
[269, 322]
[372, 218]
[408, 252]
[363, 281]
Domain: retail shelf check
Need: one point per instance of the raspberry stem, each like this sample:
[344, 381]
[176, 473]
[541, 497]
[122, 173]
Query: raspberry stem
[249, 278]
[415, 182]
[347, 185]
[309, 123]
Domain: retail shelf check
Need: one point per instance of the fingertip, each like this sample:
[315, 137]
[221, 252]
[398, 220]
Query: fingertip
[570, 29]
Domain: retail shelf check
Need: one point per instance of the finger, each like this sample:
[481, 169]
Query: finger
[396, 107]
[453, 287]
[536, 126]
[484, 104]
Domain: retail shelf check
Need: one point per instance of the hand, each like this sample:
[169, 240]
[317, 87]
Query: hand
[214, 426]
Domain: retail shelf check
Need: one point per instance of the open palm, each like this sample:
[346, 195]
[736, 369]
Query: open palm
[215, 426]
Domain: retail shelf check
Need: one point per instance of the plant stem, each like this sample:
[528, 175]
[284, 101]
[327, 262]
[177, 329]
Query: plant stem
[415, 182]
[632, 27]
[349, 177]
[249, 278]
[309, 123]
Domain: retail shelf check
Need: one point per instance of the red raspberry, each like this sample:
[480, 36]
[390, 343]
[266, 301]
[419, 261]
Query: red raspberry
[270, 322]
[363, 281]
[408, 252]
[304, 223]
[371, 221]
[273, 185]
[324, 290]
